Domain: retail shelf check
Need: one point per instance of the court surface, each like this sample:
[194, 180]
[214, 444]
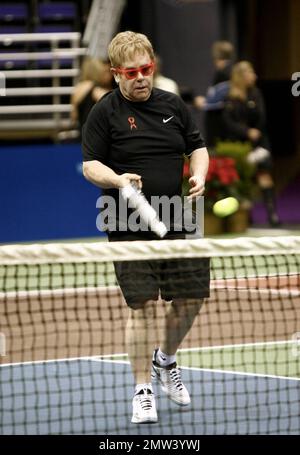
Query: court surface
[65, 371]
[93, 396]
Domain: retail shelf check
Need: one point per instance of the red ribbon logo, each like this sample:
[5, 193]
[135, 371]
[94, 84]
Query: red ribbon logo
[132, 124]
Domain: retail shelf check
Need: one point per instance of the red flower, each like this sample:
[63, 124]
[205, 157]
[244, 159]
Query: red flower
[222, 179]
[222, 170]
[186, 170]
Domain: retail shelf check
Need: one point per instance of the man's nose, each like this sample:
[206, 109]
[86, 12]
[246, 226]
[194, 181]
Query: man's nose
[140, 76]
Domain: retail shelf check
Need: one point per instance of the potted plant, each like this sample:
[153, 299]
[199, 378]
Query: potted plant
[228, 174]
[239, 151]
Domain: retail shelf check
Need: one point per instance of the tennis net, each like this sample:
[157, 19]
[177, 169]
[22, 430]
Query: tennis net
[64, 367]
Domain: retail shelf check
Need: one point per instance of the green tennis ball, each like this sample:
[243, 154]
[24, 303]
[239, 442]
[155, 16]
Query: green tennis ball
[226, 207]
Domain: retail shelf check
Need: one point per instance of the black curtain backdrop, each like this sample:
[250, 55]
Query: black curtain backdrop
[182, 33]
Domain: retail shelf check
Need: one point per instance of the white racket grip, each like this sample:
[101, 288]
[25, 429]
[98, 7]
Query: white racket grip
[138, 202]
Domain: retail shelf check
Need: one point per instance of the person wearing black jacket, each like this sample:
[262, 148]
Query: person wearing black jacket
[95, 81]
[213, 103]
[243, 119]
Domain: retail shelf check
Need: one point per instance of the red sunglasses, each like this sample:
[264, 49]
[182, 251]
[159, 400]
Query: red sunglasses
[132, 73]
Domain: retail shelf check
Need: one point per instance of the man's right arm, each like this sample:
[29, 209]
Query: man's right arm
[96, 143]
[103, 176]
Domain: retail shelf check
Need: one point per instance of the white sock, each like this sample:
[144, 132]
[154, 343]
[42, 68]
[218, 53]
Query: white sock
[163, 359]
[140, 387]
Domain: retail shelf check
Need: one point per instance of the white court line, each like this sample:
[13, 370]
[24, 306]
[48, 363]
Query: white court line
[233, 346]
[108, 358]
[270, 291]
[241, 373]
[36, 362]
[59, 292]
[238, 373]
[122, 362]
[126, 362]
[216, 284]
[209, 348]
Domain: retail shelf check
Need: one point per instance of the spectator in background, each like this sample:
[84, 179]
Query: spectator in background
[213, 103]
[243, 119]
[95, 80]
[223, 54]
[162, 82]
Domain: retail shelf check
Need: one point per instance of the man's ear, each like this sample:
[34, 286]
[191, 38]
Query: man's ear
[115, 75]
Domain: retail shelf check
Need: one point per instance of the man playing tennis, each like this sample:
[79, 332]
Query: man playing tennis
[139, 134]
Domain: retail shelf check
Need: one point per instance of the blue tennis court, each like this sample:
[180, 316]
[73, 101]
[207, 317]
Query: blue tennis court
[92, 396]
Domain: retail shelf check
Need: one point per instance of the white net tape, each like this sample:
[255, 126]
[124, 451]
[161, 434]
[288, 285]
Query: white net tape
[139, 250]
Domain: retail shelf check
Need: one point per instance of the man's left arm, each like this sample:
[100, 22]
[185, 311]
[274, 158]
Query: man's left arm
[199, 160]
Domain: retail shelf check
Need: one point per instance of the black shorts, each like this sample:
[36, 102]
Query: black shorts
[185, 278]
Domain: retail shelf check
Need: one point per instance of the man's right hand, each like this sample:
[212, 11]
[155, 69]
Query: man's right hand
[126, 179]
[103, 176]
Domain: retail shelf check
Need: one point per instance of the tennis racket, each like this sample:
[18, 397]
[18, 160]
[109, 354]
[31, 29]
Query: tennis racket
[137, 201]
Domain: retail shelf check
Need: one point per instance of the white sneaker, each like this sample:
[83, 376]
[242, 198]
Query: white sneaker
[170, 381]
[144, 408]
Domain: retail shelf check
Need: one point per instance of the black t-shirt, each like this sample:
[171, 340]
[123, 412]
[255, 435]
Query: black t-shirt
[148, 138]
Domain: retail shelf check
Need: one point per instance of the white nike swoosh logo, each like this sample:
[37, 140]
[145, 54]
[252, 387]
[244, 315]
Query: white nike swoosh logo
[166, 120]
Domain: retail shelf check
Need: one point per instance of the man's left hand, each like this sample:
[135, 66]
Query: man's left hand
[197, 185]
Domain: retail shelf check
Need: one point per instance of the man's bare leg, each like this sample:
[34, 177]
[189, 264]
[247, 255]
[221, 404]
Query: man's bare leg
[179, 320]
[141, 337]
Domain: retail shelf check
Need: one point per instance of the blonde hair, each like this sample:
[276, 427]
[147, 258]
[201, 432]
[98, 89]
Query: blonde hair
[222, 50]
[92, 69]
[238, 87]
[125, 45]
